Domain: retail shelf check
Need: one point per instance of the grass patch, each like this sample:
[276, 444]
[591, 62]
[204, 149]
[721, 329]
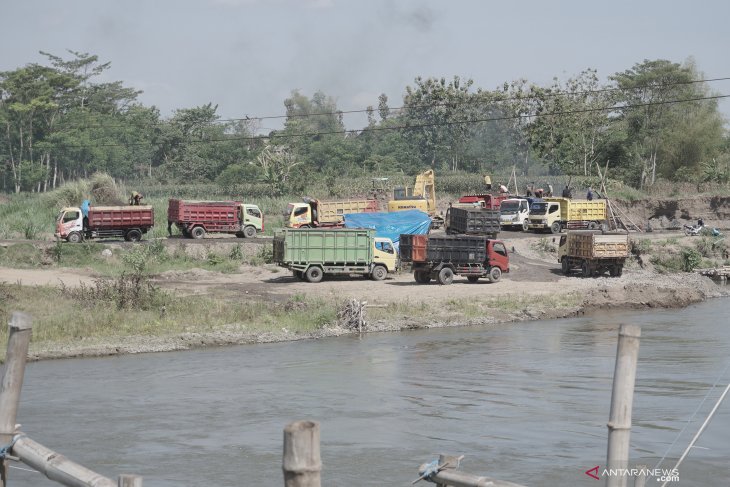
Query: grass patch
[60, 318]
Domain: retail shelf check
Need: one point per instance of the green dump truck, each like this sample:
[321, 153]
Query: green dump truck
[311, 253]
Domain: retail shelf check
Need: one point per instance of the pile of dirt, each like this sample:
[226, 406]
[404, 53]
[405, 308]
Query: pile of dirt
[644, 289]
[672, 213]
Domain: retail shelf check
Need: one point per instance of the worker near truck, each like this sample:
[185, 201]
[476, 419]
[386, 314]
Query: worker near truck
[135, 199]
[589, 195]
[503, 189]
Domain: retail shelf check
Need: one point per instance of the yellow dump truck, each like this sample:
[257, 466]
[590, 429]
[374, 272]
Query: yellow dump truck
[557, 214]
[312, 213]
[593, 252]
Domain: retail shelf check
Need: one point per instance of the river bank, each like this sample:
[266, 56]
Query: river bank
[497, 304]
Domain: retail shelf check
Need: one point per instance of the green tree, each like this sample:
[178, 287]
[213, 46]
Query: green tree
[671, 132]
[437, 119]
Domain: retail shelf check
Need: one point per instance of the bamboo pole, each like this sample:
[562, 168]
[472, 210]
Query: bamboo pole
[57, 467]
[449, 462]
[453, 478]
[640, 480]
[622, 396]
[129, 481]
[20, 328]
[301, 463]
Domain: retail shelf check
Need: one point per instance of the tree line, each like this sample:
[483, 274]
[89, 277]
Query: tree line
[658, 119]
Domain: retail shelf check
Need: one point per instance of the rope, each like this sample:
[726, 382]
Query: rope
[431, 469]
[693, 416]
[5, 450]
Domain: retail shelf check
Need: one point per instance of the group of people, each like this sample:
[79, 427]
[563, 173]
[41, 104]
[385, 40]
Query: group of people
[530, 191]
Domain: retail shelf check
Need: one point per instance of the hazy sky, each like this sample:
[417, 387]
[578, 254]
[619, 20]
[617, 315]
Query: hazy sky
[247, 56]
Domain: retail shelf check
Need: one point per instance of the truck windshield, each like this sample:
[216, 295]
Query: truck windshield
[509, 207]
[538, 208]
[289, 209]
[70, 216]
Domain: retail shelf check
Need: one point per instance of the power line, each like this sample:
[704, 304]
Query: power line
[415, 126]
[431, 105]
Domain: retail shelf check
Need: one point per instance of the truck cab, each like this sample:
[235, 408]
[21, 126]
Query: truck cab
[70, 224]
[514, 213]
[251, 216]
[302, 215]
[385, 254]
[544, 216]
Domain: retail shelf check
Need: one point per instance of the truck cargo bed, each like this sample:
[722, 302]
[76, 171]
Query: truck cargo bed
[120, 217]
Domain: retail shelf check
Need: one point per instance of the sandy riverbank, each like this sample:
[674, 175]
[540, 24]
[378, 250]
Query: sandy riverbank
[534, 289]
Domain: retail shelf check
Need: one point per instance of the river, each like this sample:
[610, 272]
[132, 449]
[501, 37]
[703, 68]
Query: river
[525, 402]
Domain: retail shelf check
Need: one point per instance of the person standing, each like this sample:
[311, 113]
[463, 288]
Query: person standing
[549, 189]
[589, 196]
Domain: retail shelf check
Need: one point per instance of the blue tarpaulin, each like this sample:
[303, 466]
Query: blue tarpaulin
[391, 225]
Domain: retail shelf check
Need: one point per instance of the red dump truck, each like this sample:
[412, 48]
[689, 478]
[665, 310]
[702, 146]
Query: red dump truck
[196, 218]
[442, 257]
[485, 201]
[128, 222]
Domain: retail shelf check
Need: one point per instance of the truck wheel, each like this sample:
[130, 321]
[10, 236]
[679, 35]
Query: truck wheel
[472, 278]
[74, 237]
[446, 276]
[592, 226]
[422, 277]
[555, 227]
[249, 232]
[197, 232]
[495, 273]
[379, 273]
[565, 265]
[525, 226]
[586, 269]
[133, 235]
[314, 274]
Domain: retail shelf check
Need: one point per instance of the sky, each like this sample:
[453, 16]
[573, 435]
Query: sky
[246, 56]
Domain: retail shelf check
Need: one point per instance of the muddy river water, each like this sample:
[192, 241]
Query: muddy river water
[526, 402]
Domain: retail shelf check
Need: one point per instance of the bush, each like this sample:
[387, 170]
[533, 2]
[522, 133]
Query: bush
[691, 259]
[125, 292]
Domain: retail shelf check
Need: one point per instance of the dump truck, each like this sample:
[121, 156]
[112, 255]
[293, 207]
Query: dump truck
[556, 214]
[421, 197]
[311, 213]
[90, 222]
[442, 257]
[472, 221]
[486, 201]
[514, 214]
[196, 218]
[311, 253]
[593, 252]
